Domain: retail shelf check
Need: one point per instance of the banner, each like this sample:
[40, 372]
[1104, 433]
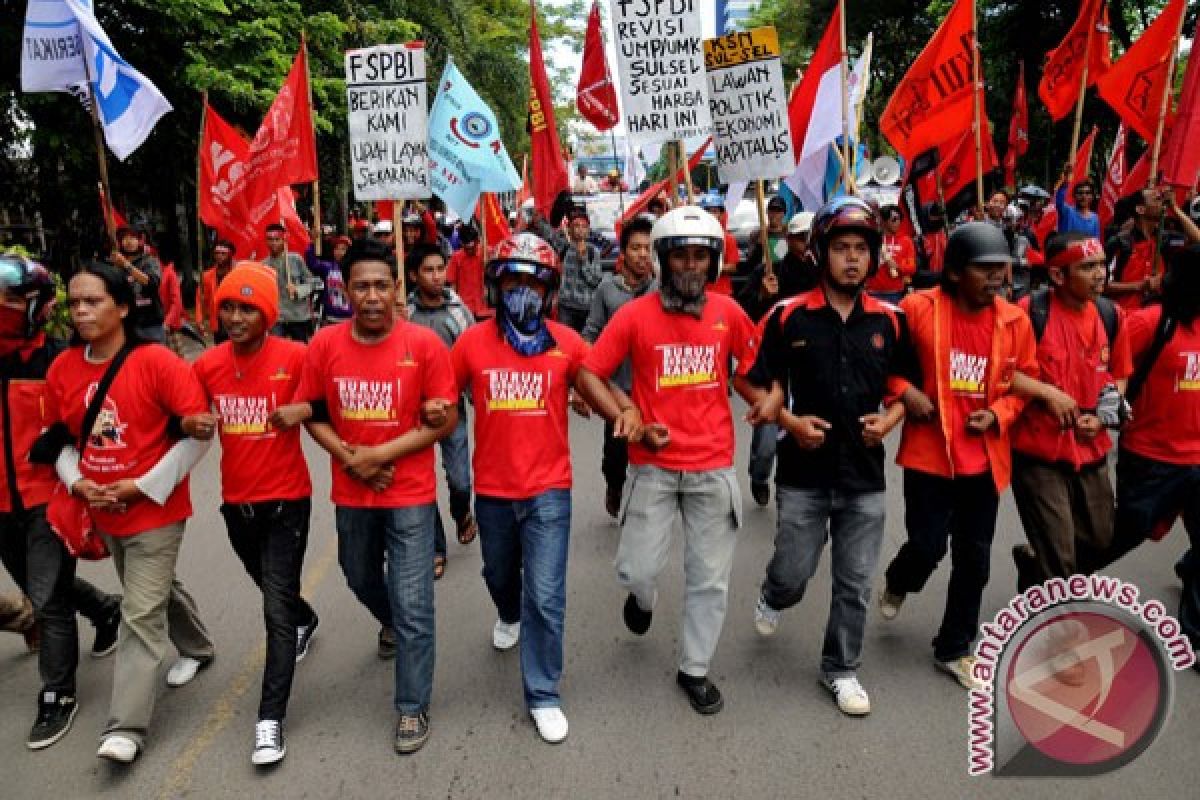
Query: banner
[52, 49]
[747, 100]
[662, 69]
[545, 151]
[934, 98]
[386, 102]
[595, 96]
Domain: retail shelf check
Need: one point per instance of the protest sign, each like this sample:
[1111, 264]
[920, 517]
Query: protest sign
[661, 65]
[385, 93]
[748, 103]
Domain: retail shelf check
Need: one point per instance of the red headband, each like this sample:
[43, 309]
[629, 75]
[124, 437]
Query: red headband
[1077, 252]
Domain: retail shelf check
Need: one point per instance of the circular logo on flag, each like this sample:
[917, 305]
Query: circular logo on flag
[476, 126]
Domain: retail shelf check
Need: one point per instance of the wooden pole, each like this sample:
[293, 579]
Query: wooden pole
[1083, 82]
[687, 173]
[316, 184]
[612, 132]
[110, 224]
[398, 233]
[843, 68]
[975, 97]
[763, 237]
[1163, 107]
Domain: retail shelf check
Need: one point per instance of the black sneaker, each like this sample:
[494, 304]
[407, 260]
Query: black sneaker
[412, 730]
[761, 492]
[304, 636]
[701, 693]
[56, 712]
[387, 643]
[106, 634]
[269, 746]
[637, 620]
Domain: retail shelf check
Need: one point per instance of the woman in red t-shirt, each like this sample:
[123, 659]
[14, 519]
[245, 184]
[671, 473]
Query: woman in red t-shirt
[141, 525]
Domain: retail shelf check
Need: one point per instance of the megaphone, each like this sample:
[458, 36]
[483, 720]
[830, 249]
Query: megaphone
[885, 171]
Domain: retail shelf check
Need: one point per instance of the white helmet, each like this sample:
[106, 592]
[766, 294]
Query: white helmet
[688, 225]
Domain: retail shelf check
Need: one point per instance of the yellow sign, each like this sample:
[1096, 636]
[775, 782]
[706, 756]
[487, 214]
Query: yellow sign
[741, 47]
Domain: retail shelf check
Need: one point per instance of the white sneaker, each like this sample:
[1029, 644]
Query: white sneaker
[183, 670]
[889, 604]
[850, 695]
[118, 748]
[963, 671]
[269, 747]
[506, 634]
[766, 619]
[551, 724]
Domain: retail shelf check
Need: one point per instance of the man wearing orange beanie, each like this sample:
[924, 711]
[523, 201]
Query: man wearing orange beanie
[264, 478]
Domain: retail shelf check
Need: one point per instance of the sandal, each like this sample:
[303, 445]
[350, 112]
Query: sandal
[467, 528]
[439, 567]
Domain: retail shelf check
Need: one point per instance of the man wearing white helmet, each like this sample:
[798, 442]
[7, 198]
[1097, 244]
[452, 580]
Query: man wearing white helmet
[680, 341]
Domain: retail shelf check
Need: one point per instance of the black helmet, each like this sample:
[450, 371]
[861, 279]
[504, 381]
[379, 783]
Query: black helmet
[28, 278]
[845, 215]
[977, 243]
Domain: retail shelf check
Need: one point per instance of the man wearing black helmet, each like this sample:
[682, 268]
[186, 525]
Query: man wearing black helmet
[32, 554]
[955, 450]
[831, 353]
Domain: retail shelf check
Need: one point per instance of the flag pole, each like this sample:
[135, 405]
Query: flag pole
[847, 165]
[316, 184]
[975, 89]
[1164, 106]
[763, 237]
[612, 132]
[687, 173]
[201, 305]
[1083, 82]
[110, 224]
[398, 233]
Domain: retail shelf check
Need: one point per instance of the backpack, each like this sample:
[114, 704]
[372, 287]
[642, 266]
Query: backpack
[1039, 314]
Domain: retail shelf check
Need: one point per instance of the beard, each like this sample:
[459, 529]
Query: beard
[683, 292]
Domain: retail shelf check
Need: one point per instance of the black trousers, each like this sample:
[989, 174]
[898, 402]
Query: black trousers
[615, 461]
[270, 539]
[961, 513]
[45, 572]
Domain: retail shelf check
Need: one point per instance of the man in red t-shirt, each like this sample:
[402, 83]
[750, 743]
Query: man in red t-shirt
[464, 272]
[1060, 475]
[898, 259]
[730, 256]
[680, 341]
[1158, 464]
[955, 449]
[366, 383]
[1134, 276]
[519, 369]
[264, 479]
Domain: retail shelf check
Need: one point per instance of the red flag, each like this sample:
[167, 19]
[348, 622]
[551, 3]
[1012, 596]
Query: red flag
[385, 209]
[1018, 130]
[298, 239]
[665, 185]
[595, 95]
[491, 219]
[1114, 180]
[935, 94]
[119, 220]
[223, 200]
[1083, 162]
[804, 95]
[284, 150]
[1139, 176]
[1181, 159]
[549, 170]
[1059, 87]
[956, 166]
[1134, 86]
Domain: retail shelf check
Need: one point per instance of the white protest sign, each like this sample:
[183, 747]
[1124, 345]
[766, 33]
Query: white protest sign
[385, 93]
[751, 134]
[661, 65]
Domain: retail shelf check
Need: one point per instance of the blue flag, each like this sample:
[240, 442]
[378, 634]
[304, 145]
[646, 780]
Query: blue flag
[466, 154]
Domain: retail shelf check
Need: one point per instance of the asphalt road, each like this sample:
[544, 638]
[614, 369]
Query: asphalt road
[632, 732]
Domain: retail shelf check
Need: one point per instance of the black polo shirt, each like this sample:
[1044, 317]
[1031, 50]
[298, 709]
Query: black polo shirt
[836, 370]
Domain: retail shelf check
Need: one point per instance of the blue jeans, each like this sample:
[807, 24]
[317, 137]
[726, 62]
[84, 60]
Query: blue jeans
[762, 452]
[524, 545]
[400, 596]
[456, 461]
[854, 523]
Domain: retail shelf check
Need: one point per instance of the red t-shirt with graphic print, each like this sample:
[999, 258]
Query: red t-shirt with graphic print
[1166, 415]
[130, 433]
[970, 350]
[258, 462]
[680, 375]
[521, 445]
[374, 393]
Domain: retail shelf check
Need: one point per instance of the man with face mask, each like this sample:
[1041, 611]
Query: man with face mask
[829, 354]
[519, 370]
[680, 341]
[31, 552]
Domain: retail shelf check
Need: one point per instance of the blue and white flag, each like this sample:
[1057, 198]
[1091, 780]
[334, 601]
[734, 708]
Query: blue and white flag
[128, 104]
[466, 154]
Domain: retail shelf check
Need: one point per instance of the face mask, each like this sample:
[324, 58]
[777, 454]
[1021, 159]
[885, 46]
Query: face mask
[523, 308]
[13, 327]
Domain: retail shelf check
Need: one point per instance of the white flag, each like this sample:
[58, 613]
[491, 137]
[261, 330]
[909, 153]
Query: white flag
[52, 48]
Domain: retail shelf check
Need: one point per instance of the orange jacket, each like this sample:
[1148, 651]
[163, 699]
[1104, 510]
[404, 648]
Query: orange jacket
[925, 446]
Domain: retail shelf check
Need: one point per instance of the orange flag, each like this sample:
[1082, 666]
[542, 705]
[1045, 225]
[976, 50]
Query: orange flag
[1083, 161]
[935, 95]
[1059, 87]
[1134, 86]
[491, 219]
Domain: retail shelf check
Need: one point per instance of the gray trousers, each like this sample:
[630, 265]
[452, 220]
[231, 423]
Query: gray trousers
[710, 504]
[854, 522]
[155, 607]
